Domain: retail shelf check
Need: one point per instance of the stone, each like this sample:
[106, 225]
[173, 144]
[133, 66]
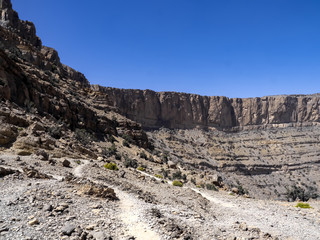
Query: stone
[172, 164]
[235, 190]
[66, 163]
[90, 227]
[8, 134]
[99, 235]
[216, 179]
[68, 229]
[34, 221]
[6, 171]
[47, 208]
[43, 155]
[4, 228]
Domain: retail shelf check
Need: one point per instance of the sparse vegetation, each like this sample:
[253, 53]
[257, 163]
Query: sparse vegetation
[144, 155]
[127, 138]
[128, 162]
[141, 169]
[177, 183]
[158, 176]
[125, 143]
[165, 173]
[212, 187]
[177, 175]
[112, 150]
[84, 136]
[303, 205]
[296, 192]
[111, 166]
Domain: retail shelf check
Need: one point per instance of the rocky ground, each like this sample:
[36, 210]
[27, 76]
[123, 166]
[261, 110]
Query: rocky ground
[86, 201]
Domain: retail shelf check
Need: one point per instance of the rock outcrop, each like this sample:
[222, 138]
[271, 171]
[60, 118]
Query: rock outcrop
[32, 76]
[10, 20]
[182, 110]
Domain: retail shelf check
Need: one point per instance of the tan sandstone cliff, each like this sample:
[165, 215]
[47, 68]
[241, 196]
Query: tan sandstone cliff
[182, 110]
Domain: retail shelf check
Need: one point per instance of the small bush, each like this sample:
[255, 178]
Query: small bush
[117, 156]
[211, 187]
[297, 193]
[128, 162]
[177, 175]
[141, 169]
[177, 183]
[303, 205]
[127, 138]
[165, 173]
[83, 136]
[144, 155]
[111, 166]
[158, 176]
[112, 150]
[110, 138]
[125, 143]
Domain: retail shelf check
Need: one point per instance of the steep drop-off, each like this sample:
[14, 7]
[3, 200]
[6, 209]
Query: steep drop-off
[182, 110]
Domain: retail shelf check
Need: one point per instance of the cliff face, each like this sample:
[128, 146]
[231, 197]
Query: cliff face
[32, 77]
[181, 110]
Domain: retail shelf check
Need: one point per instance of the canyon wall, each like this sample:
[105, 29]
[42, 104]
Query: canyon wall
[182, 110]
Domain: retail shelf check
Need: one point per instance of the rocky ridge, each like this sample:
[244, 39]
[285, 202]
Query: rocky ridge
[187, 111]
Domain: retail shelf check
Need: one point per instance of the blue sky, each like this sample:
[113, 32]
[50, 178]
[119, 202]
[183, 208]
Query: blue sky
[234, 48]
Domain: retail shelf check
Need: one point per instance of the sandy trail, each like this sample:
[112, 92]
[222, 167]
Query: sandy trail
[131, 211]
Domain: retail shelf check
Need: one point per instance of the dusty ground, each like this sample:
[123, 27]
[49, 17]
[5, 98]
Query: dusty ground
[148, 208]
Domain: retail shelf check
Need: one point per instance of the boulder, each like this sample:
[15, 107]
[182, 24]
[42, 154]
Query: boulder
[66, 163]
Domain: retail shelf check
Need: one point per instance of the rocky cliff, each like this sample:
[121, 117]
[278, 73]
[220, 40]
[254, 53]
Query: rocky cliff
[182, 110]
[33, 78]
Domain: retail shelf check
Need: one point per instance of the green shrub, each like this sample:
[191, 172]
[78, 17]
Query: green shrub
[110, 138]
[125, 143]
[144, 155]
[176, 175]
[211, 187]
[84, 136]
[111, 166]
[177, 183]
[127, 138]
[112, 150]
[303, 205]
[296, 192]
[128, 162]
[117, 156]
[165, 173]
[141, 169]
[158, 176]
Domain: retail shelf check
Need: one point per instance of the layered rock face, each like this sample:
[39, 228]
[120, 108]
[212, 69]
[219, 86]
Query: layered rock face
[32, 76]
[182, 110]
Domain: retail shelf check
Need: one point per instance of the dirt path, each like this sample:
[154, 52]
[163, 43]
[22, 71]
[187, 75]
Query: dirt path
[131, 211]
[270, 216]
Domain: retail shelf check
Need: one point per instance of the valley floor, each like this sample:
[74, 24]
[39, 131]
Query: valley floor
[53, 203]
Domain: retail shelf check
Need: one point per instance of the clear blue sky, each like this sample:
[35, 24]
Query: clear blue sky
[234, 48]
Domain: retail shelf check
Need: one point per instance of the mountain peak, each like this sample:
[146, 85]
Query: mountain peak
[5, 4]
[9, 19]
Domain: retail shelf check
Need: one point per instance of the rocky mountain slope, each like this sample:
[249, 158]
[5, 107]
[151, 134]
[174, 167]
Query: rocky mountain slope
[79, 161]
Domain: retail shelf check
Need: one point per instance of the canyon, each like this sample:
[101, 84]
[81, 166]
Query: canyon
[82, 161]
